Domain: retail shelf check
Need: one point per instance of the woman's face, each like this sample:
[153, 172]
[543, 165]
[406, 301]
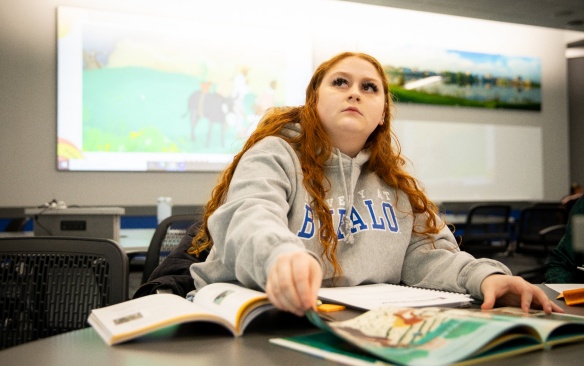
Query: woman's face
[351, 103]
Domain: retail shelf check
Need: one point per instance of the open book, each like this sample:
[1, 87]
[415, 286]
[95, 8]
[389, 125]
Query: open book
[367, 297]
[227, 304]
[435, 336]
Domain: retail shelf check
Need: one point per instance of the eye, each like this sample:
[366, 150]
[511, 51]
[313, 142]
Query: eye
[340, 81]
[369, 86]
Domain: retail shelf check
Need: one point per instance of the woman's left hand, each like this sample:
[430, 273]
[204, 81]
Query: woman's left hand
[505, 290]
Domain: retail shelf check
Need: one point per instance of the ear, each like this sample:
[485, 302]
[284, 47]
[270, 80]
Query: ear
[382, 119]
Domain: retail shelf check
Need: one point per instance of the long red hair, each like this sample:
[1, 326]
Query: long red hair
[315, 148]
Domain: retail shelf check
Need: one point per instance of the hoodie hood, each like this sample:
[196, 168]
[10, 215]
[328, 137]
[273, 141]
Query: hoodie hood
[291, 130]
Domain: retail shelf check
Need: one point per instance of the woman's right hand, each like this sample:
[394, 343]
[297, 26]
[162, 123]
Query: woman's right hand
[293, 282]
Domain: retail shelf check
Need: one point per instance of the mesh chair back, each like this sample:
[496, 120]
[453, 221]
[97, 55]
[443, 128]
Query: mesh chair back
[49, 285]
[486, 230]
[532, 221]
[167, 236]
[484, 221]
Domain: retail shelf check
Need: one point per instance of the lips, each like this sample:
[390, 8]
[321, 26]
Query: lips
[352, 109]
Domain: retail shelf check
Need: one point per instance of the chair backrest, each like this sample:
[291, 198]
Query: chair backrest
[167, 236]
[532, 221]
[486, 220]
[49, 285]
[17, 224]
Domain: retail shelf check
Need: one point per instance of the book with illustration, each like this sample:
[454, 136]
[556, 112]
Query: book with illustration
[435, 335]
[226, 304]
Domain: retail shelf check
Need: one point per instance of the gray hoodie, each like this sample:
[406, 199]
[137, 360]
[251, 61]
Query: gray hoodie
[267, 213]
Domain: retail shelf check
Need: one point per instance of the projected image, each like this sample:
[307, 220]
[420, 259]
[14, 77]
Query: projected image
[151, 93]
[467, 79]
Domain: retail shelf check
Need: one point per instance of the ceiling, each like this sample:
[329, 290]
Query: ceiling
[559, 14]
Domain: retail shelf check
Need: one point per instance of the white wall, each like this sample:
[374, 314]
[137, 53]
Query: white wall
[28, 64]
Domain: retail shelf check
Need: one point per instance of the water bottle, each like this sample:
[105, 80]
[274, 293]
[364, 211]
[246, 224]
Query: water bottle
[164, 208]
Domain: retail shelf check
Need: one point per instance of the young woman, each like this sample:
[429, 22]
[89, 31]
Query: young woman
[319, 196]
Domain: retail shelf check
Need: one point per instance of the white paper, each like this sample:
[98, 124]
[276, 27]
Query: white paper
[560, 287]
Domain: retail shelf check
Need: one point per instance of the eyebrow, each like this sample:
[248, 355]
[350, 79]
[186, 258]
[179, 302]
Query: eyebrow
[375, 79]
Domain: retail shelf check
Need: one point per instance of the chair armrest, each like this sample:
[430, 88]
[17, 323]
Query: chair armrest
[552, 229]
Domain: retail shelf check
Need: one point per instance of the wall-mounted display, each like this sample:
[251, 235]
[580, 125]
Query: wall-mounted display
[466, 79]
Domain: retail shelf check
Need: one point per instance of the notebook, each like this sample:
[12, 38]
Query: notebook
[367, 297]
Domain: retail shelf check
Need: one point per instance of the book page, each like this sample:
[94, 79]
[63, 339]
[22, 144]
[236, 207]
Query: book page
[554, 328]
[421, 336]
[231, 302]
[130, 319]
[372, 296]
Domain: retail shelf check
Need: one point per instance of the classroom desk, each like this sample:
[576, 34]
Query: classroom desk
[135, 241]
[15, 234]
[132, 241]
[454, 219]
[208, 344]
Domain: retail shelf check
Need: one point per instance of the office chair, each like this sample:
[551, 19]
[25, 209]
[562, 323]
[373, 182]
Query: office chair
[17, 224]
[167, 236]
[486, 231]
[535, 219]
[49, 285]
[539, 230]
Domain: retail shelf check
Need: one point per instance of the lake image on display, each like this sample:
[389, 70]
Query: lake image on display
[457, 78]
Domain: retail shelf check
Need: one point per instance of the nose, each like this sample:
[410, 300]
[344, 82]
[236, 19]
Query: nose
[354, 94]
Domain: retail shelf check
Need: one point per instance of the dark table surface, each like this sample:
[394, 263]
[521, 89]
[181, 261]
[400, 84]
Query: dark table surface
[209, 344]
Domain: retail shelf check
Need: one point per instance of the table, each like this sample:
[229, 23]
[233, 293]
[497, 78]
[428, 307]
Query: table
[209, 344]
[132, 241]
[15, 234]
[454, 219]
[92, 222]
[135, 241]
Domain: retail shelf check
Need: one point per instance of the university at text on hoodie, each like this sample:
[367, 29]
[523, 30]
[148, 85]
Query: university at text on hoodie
[267, 212]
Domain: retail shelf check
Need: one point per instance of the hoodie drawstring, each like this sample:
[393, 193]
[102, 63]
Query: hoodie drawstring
[347, 224]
